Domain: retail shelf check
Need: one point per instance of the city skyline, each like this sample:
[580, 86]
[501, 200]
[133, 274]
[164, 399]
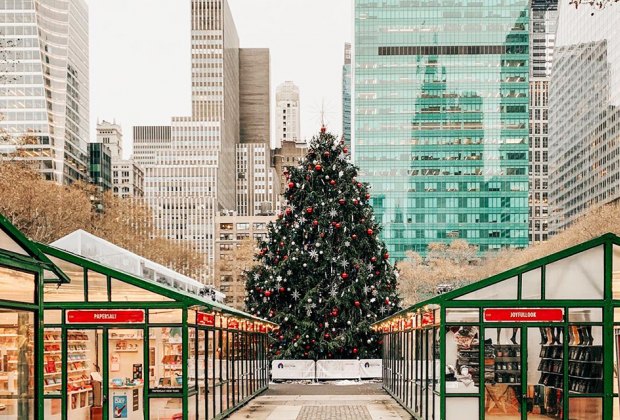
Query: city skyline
[125, 92]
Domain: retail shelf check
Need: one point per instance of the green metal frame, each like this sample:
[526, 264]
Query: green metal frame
[447, 301]
[37, 263]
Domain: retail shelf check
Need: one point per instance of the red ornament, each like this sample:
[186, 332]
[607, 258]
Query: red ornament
[367, 196]
[387, 301]
[354, 236]
[281, 337]
[288, 211]
[315, 223]
[317, 167]
[322, 235]
[291, 184]
[357, 303]
[305, 354]
[344, 276]
[373, 259]
[377, 273]
[313, 341]
[359, 185]
[369, 231]
[341, 201]
[356, 201]
[281, 244]
[278, 352]
[309, 210]
[267, 293]
[338, 225]
[280, 215]
[285, 257]
[326, 336]
[282, 289]
[334, 223]
[307, 348]
[386, 256]
[332, 182]
[345, 150]
[355, 350]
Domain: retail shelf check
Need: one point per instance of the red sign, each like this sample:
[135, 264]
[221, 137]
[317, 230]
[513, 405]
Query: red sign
[203, 318]
[262, 328]
[105, 316]
[233, 324]
[428, 319]
[524, 315]
[409, 323]
[249, 326]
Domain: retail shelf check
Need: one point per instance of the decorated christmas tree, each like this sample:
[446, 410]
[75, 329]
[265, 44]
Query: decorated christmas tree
[323, 274]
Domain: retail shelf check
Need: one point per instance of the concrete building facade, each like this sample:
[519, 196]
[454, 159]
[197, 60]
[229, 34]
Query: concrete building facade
[44, 90]
[544, 15]
[346, 94]
[230, 232]
[584, 115]
[287, 114]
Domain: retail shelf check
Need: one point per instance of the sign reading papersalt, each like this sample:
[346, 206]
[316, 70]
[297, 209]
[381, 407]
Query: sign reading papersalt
[203, 318]
[105, 316]
[524, 315]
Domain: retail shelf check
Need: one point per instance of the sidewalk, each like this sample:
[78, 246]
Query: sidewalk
[355, 401]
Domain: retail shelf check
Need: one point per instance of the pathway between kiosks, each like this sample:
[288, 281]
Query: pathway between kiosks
[337, 400]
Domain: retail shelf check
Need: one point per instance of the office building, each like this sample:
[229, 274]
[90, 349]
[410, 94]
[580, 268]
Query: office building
[258, 191]
[127, 174]
[441, 121]
[544, 16]
[254, 96]
[148, 141]
[44, 88]
[584, 118]
[230, 232]
[288, 154]
[287, 113]
[346, 94]
[100, 166]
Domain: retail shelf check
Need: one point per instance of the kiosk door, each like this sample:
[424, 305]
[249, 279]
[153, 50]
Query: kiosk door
[126, 373]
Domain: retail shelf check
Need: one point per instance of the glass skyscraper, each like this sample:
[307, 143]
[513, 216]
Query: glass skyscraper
[441, 120]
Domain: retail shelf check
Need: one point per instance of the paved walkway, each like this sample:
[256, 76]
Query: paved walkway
[363, 401]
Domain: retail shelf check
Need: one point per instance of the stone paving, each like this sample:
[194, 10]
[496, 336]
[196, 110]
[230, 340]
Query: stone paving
[355, 401]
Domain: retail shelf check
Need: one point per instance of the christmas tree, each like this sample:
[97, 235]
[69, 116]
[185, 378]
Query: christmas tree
[323, 274]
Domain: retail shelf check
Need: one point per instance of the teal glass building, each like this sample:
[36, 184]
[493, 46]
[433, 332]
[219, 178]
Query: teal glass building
[440, 120]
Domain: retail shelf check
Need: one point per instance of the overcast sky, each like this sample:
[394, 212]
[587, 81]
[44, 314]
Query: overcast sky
[140, 56]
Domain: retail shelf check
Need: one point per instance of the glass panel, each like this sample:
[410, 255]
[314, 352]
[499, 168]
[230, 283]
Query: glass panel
[585, 366]
[462, 359]
[585, 315]
[52, 361]
[72, 292]
[97, 287]
[166, 408]
[6, 242]
[578, 277]
[502, 377]
[202, 373]
[506, 289]
[52, 409]
[462, 315]
[616, 273]
[125, 292]
[585, 408]
[17, 394]
[165, 358]
[191, 410]
[544, 398]
[16, 285]
[165, 316]
[126, 373]
[531, 284]
[191, 359]
[53, 316]
[84, 380]
[462, 408]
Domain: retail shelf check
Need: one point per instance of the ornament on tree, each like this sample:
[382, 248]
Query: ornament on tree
[309, 246]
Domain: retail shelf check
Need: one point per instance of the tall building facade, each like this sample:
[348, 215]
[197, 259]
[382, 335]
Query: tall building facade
[544, 15]
[287, 113]
[44, 91]
[346, 94]
[100, 166]
[127, 176]
[440, 124]
[584, 116]
[191, 172]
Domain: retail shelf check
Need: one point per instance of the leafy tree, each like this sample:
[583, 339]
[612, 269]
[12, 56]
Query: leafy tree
[324, 276]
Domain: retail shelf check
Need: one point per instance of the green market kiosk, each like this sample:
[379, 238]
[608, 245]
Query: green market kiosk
[534, 342]
[79, 340]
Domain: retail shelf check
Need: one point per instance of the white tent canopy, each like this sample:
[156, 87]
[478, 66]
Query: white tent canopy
[90, 246]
